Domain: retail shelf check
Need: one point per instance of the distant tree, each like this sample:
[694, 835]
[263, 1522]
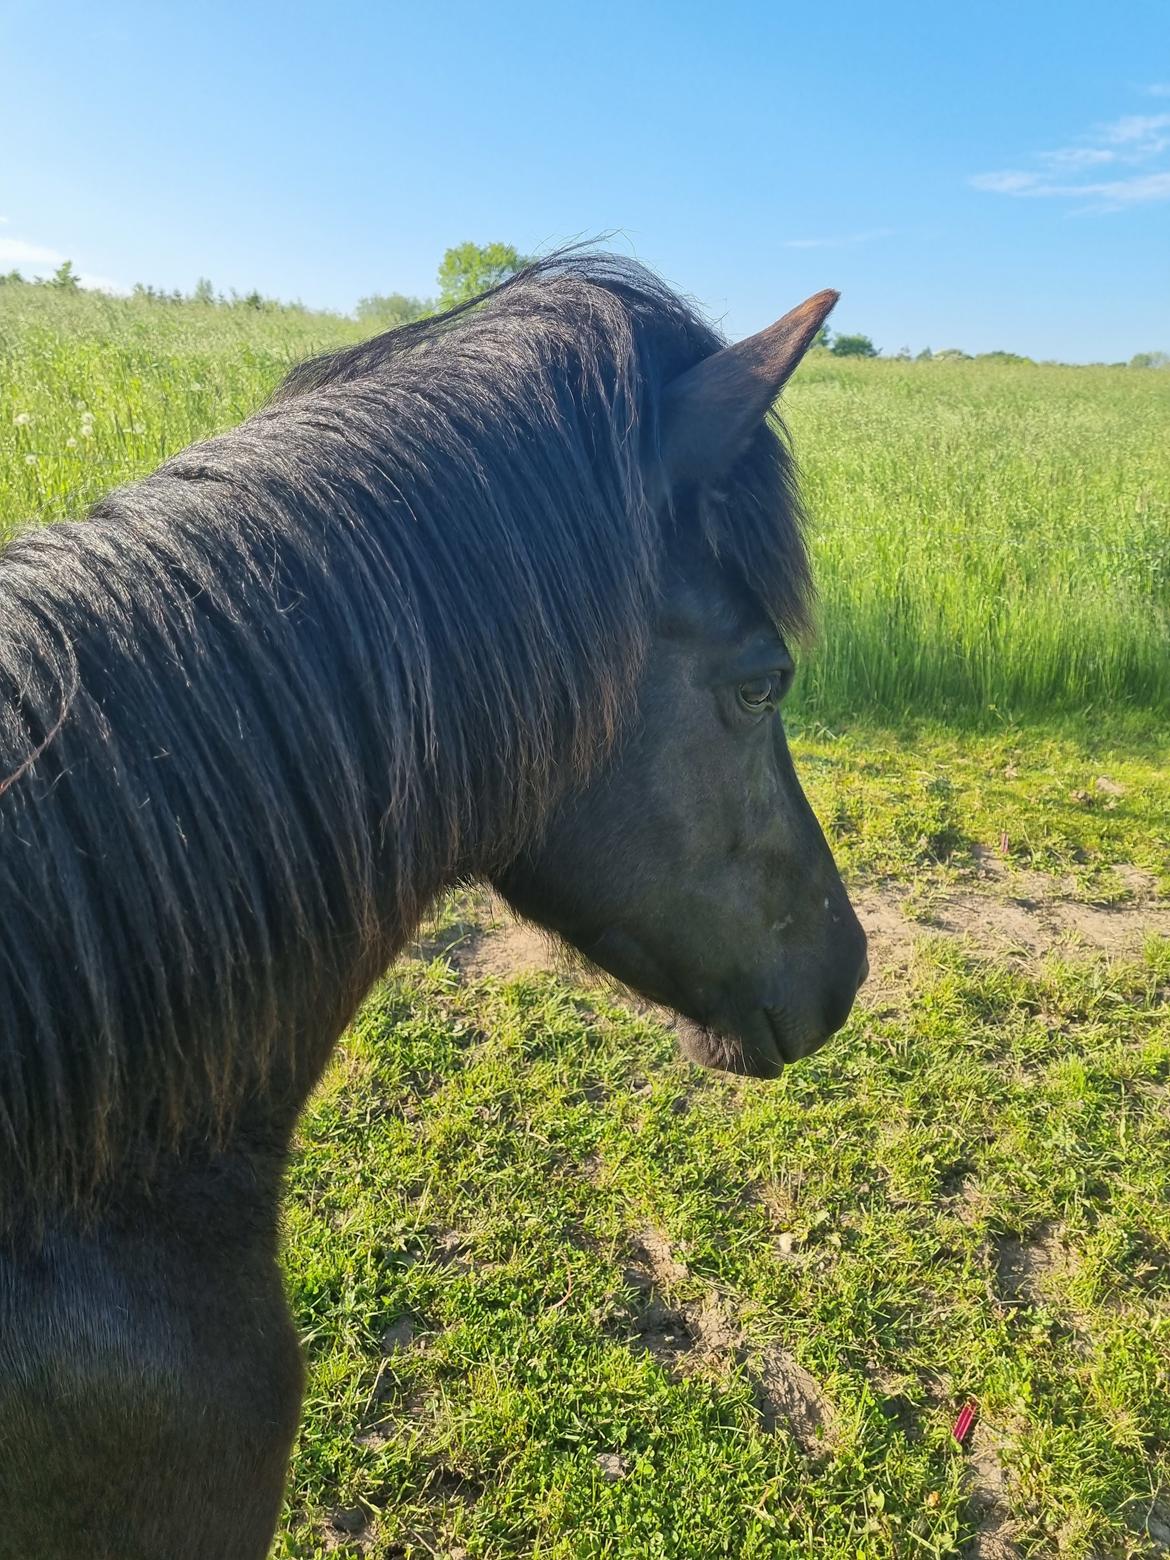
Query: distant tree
[903, 353]
[469, 269]
[924, 356]
[65, 277]
[145, 293]
[952, 354]
[1001, 357]
[823, 337]
[204, 292]
[1150, 360]
[11, 279]
[853, 346]
[389, 309]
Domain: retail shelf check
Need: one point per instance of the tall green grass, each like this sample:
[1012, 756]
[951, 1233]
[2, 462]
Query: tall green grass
[991, 540]
[96, 390]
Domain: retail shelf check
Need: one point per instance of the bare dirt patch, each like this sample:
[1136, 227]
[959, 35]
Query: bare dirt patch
[1040, 927]
[661, 1332]
[788, 1394]
[693, 1336]
[1153, 1520]
[483, 938]
[660, 1329]
[1005, 912]
[516, 948]
[656, 1252]
[612, 1466]
[398, 1337]
[987, 1493]
[1010, 912]
[1025, 1269]
[347, 1532]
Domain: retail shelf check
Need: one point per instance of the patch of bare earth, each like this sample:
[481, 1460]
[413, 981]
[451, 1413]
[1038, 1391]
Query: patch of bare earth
[995, 1532]
[516, 948]
[1151, 1517]
[1025, 1269]
[1010, 912]
[656, 1254]
[789, 1394]
[348, 1532]
[1004, 911]
[703, 1336]
[484, 939]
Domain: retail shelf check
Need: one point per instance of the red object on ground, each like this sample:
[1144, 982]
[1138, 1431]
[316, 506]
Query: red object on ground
[965, 1423]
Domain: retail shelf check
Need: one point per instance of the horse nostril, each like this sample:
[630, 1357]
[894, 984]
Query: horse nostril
[863, 973]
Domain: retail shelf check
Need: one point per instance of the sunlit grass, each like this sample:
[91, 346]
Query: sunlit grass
[964, 1196]
[990, 540]
[95, 391]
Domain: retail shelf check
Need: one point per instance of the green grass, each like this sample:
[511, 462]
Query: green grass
[486, 1159]
[522, 1236]
[144, 379]
[898, 801]
[965, 1195]
[990, 540]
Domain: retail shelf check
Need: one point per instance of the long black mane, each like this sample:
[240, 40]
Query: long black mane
[264, 703]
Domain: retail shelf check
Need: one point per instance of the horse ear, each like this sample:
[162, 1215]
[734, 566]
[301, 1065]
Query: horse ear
[710, 413]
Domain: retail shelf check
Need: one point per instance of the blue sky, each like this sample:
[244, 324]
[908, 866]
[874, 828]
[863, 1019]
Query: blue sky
[984, 177]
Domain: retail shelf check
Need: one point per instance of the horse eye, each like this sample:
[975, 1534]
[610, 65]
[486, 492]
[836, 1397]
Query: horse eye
[757, 695]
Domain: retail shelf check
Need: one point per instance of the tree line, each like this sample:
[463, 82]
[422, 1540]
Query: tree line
[468, 269]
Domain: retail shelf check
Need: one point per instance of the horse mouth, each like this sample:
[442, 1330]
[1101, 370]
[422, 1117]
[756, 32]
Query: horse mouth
[754, 1042]
[756, 1049]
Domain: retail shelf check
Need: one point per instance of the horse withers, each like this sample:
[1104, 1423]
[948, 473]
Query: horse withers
[507, 595]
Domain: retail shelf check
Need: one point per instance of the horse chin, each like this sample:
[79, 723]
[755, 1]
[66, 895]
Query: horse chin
[755, 1054]
[754, 1045]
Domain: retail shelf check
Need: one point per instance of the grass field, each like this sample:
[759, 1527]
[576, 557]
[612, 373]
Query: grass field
[990, 539]
[563, 1295]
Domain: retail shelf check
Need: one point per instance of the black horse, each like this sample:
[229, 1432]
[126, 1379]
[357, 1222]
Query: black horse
[501, 595]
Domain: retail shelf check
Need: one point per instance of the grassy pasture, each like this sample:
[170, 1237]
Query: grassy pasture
[111, 386]
[530, 1250]
[562, 1295]
[990, 539]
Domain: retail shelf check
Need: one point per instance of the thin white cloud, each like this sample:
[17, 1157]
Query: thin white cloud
[14, 251]
[1142, 187]
[1133, 141]
[1134, 127]
[837, 243]
[1114, 192]
[1071, 157]
[1157, 89]
[37, 259]
[1008, 182]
